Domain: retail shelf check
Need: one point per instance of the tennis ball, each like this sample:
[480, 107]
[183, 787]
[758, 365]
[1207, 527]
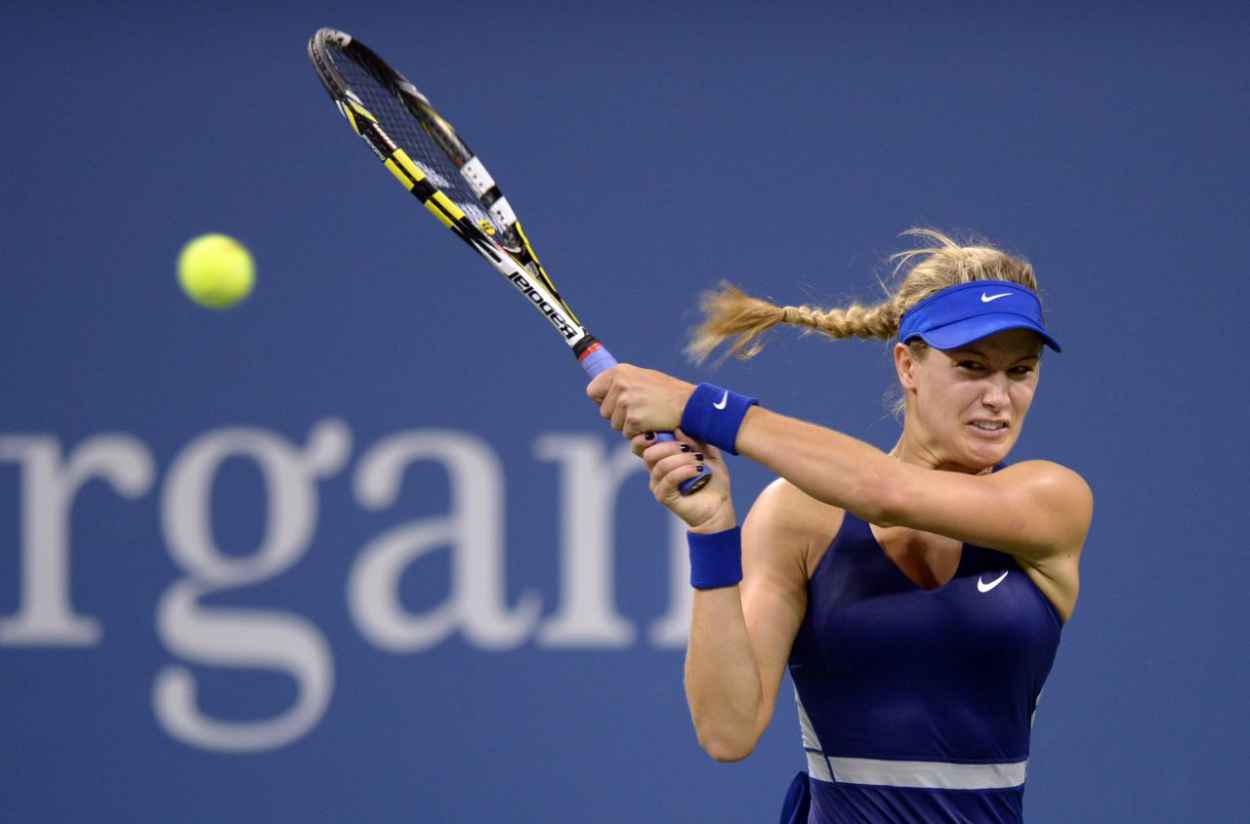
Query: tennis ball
[216, 271]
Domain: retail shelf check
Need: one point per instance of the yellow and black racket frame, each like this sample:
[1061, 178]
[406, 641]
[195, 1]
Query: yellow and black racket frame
[509, 239]
[506, 247]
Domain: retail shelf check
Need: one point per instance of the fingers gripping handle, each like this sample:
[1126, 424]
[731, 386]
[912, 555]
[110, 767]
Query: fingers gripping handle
[599, 359]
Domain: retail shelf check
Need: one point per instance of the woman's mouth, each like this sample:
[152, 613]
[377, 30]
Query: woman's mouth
[989, 429]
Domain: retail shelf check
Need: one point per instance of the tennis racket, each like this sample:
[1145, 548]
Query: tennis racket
[429, 159]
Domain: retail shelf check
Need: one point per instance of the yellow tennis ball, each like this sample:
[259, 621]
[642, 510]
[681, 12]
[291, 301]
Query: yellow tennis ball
[216, 271]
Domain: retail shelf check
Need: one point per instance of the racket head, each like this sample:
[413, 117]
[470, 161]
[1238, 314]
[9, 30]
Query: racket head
[350, 70]
[390, 112]
[357, 78]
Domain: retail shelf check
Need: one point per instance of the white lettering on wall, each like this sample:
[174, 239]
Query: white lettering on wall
[49, 486]
[591, 474]
[231, 637]
[589, 483]
[672, 629]
[472, 531]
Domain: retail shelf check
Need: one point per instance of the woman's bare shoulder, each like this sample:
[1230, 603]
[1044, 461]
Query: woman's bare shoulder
[790, 521]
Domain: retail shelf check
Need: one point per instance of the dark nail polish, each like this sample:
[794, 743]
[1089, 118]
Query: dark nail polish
[699, 467]
[698, 456]
[685, 448]
[650, 436]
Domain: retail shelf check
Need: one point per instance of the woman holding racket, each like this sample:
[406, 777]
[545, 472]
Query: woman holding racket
[916, 596]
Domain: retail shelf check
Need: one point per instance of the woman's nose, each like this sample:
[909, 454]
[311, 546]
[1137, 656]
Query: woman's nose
[995, 395]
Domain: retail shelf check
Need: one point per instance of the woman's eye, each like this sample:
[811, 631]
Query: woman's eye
[1021, 371]
[972, 365]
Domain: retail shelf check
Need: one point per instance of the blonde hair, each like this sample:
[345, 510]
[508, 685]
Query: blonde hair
[731, 313]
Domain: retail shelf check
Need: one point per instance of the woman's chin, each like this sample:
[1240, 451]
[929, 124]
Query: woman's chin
[983, 452]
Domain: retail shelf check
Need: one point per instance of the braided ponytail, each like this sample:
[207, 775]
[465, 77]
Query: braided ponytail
[731, 313]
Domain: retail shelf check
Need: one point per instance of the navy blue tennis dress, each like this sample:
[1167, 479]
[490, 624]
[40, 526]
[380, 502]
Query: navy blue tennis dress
[916, 704]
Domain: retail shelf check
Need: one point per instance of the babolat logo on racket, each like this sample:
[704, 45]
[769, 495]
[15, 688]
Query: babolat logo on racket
[562, 325]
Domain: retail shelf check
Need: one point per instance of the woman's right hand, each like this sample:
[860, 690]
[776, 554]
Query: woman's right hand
[673, 462]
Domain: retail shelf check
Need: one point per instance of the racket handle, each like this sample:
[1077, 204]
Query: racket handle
[597, 359]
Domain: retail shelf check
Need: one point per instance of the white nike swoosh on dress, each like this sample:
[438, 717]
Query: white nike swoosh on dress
[723, 401]
[991, 298]
[981, 587]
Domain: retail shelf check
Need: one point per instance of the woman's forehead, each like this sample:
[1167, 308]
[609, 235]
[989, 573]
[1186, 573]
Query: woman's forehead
[1014, 343]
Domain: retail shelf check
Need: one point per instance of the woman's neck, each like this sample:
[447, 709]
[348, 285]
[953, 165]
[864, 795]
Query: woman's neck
[912, 448]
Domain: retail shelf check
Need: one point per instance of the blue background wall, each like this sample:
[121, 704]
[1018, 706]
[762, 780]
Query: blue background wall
[781, 146]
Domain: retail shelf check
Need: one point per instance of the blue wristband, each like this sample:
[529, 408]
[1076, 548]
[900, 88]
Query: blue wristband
[715, 559]
[714, 414]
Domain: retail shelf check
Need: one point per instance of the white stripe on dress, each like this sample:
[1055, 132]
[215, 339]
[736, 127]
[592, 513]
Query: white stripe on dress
[934, 775]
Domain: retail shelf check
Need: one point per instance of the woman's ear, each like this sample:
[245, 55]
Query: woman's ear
[905, 366]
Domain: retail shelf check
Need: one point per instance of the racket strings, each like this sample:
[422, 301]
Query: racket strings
[403, 127]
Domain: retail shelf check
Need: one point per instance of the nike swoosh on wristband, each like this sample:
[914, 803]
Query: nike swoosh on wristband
[991, 298]
[723, 401]
[984, 587]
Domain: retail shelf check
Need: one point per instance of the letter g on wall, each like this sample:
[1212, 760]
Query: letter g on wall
[231, 637]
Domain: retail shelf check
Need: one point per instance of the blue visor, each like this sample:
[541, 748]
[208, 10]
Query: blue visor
[959, 315]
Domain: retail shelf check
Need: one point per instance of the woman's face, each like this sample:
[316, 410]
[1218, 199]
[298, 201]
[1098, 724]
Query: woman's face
[966, 406]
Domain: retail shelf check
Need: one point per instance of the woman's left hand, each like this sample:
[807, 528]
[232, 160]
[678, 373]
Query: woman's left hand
[639, 400]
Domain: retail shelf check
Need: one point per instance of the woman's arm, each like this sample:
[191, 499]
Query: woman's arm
[1035, 510]
[740, 637]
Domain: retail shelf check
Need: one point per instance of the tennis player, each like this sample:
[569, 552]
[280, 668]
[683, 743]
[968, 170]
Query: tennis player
[916, 595]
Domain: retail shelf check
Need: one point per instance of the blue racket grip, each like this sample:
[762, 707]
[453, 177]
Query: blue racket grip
[598, 360]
